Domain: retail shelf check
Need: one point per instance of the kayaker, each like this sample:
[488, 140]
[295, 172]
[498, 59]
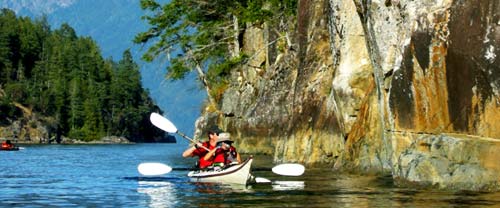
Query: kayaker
[7, 145]
[224, 153]
[198, 150]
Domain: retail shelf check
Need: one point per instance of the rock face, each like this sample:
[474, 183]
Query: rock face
[27, 129]
[436, 72]
[450, 161]
[32, 128]
[403, 87]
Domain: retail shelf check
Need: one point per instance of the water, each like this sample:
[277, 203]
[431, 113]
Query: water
[106, 176]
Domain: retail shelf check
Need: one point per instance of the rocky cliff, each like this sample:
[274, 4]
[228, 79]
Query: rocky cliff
[409, 88]
[32, 128]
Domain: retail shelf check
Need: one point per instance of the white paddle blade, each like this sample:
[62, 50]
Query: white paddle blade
[262, 180]
[289, 169]
[153, 169]
[162, 123]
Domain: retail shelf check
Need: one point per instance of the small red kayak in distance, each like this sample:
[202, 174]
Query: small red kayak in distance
[9, 149]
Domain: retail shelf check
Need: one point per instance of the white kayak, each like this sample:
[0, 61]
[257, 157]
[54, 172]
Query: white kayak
[236, 174]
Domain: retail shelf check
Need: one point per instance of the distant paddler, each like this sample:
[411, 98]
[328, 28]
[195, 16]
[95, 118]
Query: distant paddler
[7, 145]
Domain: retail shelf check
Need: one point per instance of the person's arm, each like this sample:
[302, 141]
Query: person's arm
[238, 158]
[189, 152]
[210, 154]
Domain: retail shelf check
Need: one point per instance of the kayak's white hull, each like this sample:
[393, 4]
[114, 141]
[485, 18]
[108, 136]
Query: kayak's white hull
[237, 174]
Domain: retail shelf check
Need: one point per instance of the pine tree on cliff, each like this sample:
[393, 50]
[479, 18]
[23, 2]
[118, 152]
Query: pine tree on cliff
[204, 35]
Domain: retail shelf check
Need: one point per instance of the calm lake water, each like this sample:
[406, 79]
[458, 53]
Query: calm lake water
[106, 176]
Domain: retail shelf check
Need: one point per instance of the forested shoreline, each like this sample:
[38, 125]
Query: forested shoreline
[64, 80]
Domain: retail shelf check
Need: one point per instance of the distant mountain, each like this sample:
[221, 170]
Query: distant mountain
[113, 24]
[35, 7]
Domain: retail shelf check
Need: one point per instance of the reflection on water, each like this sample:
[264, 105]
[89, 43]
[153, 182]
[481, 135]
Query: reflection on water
[288, 185]
[106, 176]
[161, 193]
[220, 188]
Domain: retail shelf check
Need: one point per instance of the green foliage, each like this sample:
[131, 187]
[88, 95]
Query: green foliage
[220, 70]
[218, 75]
[15, 91]
[7, 110]
[254, 12]
[289, 7]
[200, 32]
[177, 70]
[64, 77]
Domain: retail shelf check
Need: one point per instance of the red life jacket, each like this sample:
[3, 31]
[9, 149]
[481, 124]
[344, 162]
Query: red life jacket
[201, 152]
[5, 145]
[221, 156]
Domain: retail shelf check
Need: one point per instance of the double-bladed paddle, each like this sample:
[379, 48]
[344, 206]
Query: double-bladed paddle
[154, 169]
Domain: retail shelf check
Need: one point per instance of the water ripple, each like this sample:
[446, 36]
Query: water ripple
[106, 176]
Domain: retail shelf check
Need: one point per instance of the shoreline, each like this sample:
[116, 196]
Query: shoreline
[68, 141]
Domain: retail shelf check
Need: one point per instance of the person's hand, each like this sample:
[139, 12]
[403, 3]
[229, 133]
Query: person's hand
[198, 145]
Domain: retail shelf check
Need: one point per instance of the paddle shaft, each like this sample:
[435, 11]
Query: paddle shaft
[261, 169]
[189, 139]
[191, 169]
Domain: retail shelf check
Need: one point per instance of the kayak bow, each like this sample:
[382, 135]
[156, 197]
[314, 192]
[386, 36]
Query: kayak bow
[236, 174]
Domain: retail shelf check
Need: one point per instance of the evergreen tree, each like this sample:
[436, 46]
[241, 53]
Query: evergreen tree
[203, 35]
[65, 79]
[126, 92]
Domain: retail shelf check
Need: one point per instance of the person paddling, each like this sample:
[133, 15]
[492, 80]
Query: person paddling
[198, 150]
[7, 145]
[224, 153]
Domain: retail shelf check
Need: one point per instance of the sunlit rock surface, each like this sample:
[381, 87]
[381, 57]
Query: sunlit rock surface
[409, 88]
[450, 161]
